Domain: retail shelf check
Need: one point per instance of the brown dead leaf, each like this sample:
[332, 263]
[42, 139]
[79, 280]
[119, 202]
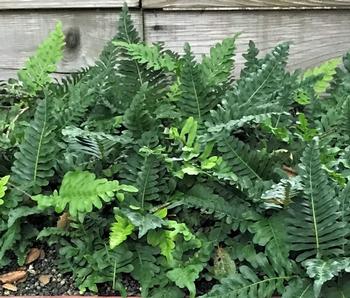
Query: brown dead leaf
[63, 221]
[10, 287]
[44, 279]
[22, 268]
[11, 277]
[21, 280]
[33, 255]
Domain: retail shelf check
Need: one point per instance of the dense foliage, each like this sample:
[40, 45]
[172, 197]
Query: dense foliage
[153, 164]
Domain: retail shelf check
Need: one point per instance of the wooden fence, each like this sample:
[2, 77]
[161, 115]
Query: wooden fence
[318, 29]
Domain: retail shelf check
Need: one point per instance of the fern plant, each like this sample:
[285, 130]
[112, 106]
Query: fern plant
[174, 171]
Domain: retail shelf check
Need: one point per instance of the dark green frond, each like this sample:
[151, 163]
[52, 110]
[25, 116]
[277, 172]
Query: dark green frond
[314, 225]
[196, 100]
[249, 165]
[35, 159]
[235, 211]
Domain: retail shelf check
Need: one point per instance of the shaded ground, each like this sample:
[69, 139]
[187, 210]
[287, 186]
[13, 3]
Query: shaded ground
[44, 279]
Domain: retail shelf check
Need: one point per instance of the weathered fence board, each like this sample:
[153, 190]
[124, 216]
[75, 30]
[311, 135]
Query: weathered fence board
[316, 35]
[24, 4]
[88, 31]
[244, 3]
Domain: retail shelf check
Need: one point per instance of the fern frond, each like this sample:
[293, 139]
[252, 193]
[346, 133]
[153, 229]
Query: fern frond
[34, 162]
[252, 63]
[262, 87]
[147, 173]
[54, 232]
[97, 144]
[146, 270]
[35, 75]
[248, 165]
[72, 107]
[81, 192]
[281, 194]
[217, 67]
[137, 117]
[326, 71]
[313, 225]
[271, 233]
[151, 56]
[3, 187]
[195, 100]
[236, 212]
[120, 230]
[299, 288]
[247, 284]
[323, 271]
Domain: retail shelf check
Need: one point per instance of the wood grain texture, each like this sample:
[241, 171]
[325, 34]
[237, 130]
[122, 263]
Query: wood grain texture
[316, 35]
[243, 3]
[24, 4]
[86, 34]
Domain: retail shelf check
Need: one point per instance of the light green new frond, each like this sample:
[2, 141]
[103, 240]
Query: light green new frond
[327, 70]
[3, 188]
[81, 192]
[35, 75]
[314, 225]
[34, 162]
[217, 67]
[120, 230]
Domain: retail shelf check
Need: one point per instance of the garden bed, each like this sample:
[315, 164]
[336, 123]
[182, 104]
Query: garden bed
[42, 277]
[154, 174]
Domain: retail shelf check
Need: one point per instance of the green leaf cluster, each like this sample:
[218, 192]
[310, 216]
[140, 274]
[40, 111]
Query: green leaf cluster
[180, 171]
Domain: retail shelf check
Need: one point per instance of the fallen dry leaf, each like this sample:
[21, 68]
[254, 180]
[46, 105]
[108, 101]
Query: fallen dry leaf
[21, 280]
[11, 277]
[22, 268]
[10, 287]
[44, 279]
[63, 221]
[33, 255]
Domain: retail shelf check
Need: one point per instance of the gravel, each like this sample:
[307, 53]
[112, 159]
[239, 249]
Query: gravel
[59, 284]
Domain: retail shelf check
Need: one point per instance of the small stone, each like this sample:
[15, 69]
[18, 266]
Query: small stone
[44, 279]
[62, 282]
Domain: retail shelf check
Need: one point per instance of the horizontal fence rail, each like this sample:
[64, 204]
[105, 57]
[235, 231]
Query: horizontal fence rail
[316, 34]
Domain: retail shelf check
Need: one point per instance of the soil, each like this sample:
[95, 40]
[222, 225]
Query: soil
[58, 283]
